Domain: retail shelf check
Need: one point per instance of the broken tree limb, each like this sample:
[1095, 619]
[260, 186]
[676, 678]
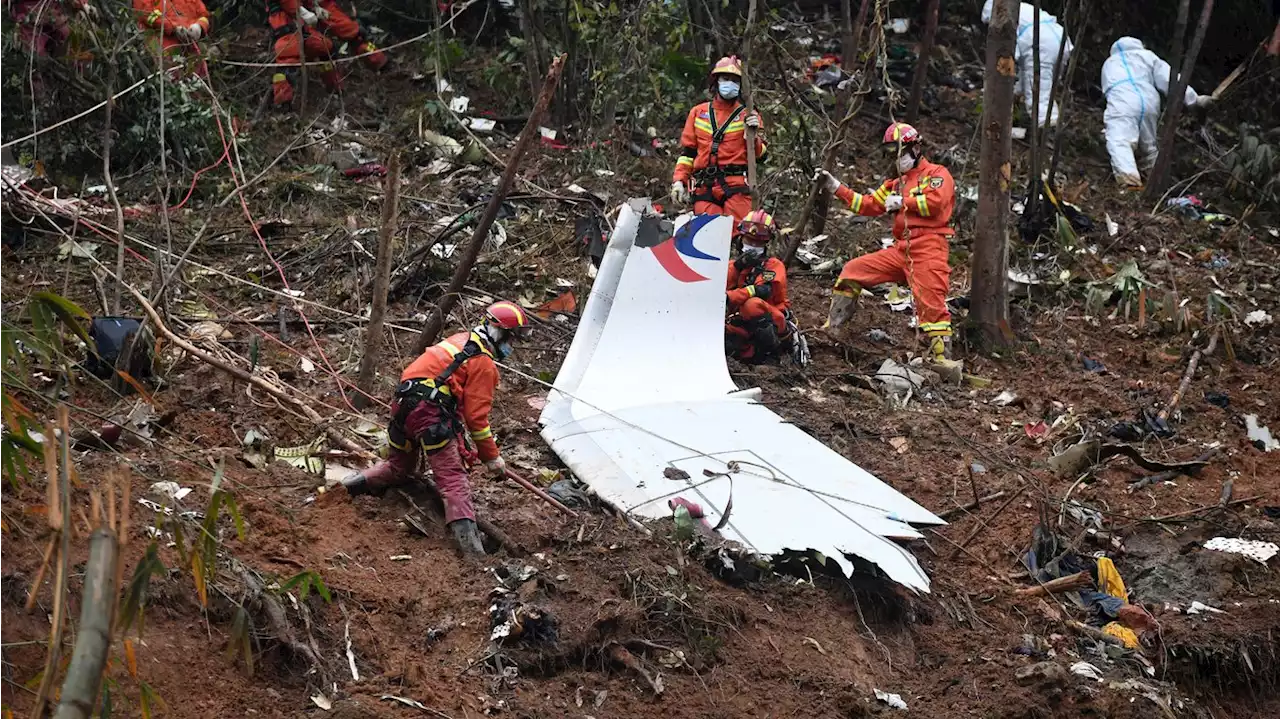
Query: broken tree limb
[751, 104]
[381, 279]
[619, 654]
[987, 520]
[460, 276]
[537, 492]
[970, 506]
[1186, 376]
[307, 411]
[1190, 468]
[1158, 178]
[93, 636]
[1079, 580]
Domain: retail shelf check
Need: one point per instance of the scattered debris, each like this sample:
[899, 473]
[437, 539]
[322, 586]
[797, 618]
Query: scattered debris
[1092, 365]
[898, 380]
[1257, 318]
[1085, 669]
[893, 700]
[1218, 399]
[1005, 398]
[322, 701]
[1198, 607]
[1253, 549]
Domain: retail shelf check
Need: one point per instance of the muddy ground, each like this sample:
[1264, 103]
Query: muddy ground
[774, 645]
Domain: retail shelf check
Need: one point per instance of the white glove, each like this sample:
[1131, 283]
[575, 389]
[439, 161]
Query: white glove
[829, 181]
[679, 193]
[194, 31]
[497, 467]
[322, 14]
[307, 16]
[753, 120]
[183, 33]
[1204, 101]
[893, 203]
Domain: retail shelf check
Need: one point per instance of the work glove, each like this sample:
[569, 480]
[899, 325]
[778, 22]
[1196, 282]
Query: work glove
[753, 120]
[497, 467]
[308, 17]
[764, 291]
[1204, 101]
[893, 203]
[679, 192]
[183, 33]
[195, 31]
[322, 14]
[829, 180]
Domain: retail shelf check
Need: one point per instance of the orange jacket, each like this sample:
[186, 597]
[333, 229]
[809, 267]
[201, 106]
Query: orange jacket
[929, 200]
[742, 284]
[698, 130]
[169, 15]
[472, 385]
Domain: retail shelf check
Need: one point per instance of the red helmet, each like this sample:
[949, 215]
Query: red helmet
[508, 316]
[727, 66]
[756, 228]
[901, 133]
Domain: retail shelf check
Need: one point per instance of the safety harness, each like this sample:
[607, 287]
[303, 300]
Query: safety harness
[411, 392]
[714, 173]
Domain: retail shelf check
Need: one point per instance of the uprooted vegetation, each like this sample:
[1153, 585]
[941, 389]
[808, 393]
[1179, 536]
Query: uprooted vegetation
[254, 590]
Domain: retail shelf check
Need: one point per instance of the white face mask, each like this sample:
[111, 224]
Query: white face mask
[752, 251]
[906, 161]
[728, 89]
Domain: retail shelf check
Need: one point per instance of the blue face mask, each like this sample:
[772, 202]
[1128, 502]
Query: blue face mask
[728, 89]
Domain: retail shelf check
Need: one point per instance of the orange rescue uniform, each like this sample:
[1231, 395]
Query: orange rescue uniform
[282, 16]
[919, 256]
[159, 21]
[472, 386]
[748, 310]
[717, 169]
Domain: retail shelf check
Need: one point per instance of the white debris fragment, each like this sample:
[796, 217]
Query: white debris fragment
[481, 124]
[1018, 133]
[307, 365]
[1257, 318]
[1201, 607]
[1261, 551]
[1260, 434]
[1112, 228]
[322, 701]
[460, 104]
[1005, 398]
[898, 379]
[893, 700]
[1085, 669]
[900, 25]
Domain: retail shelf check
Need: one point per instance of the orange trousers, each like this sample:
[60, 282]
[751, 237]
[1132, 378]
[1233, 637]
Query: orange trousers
[318, 46]
[738, 205]
[924, 268]
[741, 330]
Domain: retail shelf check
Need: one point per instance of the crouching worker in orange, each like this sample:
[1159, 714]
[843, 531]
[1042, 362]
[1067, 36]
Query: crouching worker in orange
[177, 25]
[759, 328]
[448, 387]
[922, 196]
[319, 19]
[713, 159]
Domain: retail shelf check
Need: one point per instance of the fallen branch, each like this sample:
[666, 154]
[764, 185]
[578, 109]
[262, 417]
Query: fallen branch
[1186, 376]
[983, 524]
[619, 654]
[1079, 580]
[433, 326]
[1197, 510]
[537, 492]
[1094, 633]
[1190, 468]
[970, 506]
[307, 411]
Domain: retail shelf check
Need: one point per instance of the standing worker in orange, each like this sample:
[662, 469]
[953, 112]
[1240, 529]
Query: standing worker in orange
[448, 387]
[712, 167]
[759, 327]
[177, 25]
[922, 196]
[319, 18]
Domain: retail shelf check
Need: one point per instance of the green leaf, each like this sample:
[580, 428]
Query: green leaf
[321, 589]
[293, 581]
[69, 312]
[235, 515]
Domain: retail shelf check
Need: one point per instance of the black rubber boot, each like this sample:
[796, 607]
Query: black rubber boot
[467, 537]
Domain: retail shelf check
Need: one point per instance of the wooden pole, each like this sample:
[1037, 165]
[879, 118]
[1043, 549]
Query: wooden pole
[1033, 185]
[1079, 580]
[921, 76]
[381, 280]
[93, 636]
[436, 322]
[750, 134]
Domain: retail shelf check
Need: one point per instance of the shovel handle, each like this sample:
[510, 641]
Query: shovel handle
[533, 489]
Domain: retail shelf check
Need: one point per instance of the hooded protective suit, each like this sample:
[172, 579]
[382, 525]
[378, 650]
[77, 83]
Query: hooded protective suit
[1051, 34]
[1133, 79]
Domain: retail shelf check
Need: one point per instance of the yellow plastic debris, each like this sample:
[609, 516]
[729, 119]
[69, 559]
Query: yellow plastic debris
[1123, 633]
[1109, 580]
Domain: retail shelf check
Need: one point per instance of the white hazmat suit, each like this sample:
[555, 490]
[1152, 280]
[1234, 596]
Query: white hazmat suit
[1133, 79]
[1025, 51]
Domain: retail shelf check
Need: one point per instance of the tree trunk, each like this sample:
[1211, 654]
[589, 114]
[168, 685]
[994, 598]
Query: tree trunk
[1158, 181]
[1083, 14]
[107, 141]
[750, 134]
[432, 329]
[1057, 83]
[989, 299]
[922, 61]
[381, 278]
[859, 24]
[1179, 38]
[532, 62]
[93, 636]
[1033, 184]
[848, 43]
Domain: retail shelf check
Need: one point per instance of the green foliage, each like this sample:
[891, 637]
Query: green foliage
[204, 555]
[1255, 164]
[135, 597]
[241, 639]
[306, 581]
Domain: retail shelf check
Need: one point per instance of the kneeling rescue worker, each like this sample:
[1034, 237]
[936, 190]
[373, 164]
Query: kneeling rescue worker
[714, 155]
[319, 18]
[923, 197]
[448, 386]
[759, 327]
